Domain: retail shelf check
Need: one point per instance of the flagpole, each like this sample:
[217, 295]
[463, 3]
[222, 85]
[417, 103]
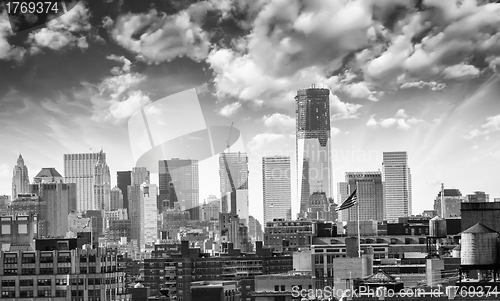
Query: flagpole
[359, 232]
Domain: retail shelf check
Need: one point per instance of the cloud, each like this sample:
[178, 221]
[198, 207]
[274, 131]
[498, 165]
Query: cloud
[460, 71]
[158, 37]
[126, 64]
[8, 51]
[401, 121]
[341, 110]
[262, 139]
[279, 123]
[334, 131]
[230, 109]
[68, 30]
[359, 90]
[492, 125]
[434, 86]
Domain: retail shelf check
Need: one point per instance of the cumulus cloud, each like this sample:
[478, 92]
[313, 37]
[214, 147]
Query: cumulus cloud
[401, 121]
[460, 71]
[8, 51]
[158, 37]
[280, 123]
[385, 44]
[434, 86]
[263, 139]
[230, 109]
[492, 125]
[119, 96]
[68, 30]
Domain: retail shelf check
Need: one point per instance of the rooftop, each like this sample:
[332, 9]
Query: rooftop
[48, 172]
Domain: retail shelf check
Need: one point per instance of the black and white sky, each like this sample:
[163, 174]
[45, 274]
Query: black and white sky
[415, 76]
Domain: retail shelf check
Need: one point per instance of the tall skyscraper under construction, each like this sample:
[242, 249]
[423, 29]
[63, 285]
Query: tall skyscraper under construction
[314, 168]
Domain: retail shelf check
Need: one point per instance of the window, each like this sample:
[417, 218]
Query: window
[28, 258]
[276, 288]
[282, 288]
[22, 229]
[6, 229]
[61, 281]
[60, 293]
[44, 293]
[28, 271]
[8, 282]
[10, 259]
[8, 294]
[26, 282]
[44, 282]
[10, 271]
[46, 271]
[26, 294]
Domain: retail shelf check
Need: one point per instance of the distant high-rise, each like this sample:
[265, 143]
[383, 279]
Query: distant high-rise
[179, 183]
[452, 203]
[102, 183]
[116, 199]
[277, 192]
[20, 179]
[314, 168]
[123, 179]
[210, 209]
[233, 167]
[140, 175]
[60, 200]
[397, 185]
[148, 216]
[477, 197]
[80, 169]
[370, 195]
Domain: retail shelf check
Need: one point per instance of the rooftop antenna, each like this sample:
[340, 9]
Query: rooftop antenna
[229, 138]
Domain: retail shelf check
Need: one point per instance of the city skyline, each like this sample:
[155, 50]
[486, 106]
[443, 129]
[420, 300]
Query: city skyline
[402, 78]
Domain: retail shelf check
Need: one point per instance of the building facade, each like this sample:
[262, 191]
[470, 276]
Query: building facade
[148, 216]
[20, 179]
[123, 179]
[452, 202]
[179, 183]
[80, 169]
[116, 199]
[277, 190]
[397, 185]
[313, 150]
[102, 183]
[60, 200]
[370, 196]
[233, 172]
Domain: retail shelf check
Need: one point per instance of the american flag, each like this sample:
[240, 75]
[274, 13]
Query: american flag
[349, 202]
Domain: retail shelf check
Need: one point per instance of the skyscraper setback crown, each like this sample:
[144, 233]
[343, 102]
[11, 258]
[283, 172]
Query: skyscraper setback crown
[314, 169]
[20, 179]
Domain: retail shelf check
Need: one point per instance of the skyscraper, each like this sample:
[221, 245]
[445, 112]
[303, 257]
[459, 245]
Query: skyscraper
[116, 199]
[314, 169]
[20, 179]
[123, 179]
[276, 187]
[370, 194]
[397, 185]
[80, 169]
[233, 172]
[452, 203]
[140, 175]
[102, 183]
[179, 183]
[60, 200]
[148, 216]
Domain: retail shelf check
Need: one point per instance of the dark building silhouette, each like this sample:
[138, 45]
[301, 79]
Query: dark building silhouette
[123, 179]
